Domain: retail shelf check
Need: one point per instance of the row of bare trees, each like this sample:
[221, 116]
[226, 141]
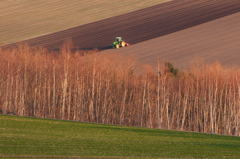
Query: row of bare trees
[105, 88]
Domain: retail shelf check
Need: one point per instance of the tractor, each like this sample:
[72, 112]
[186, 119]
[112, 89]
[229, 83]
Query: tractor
[119, 43]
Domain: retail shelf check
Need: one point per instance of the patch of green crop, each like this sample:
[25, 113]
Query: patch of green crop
[44, 138]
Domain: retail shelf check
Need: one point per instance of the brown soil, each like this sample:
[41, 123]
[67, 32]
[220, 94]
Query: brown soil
[215, 40]
[143, 24]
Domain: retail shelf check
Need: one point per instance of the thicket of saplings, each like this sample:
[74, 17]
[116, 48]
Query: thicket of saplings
[106, 89]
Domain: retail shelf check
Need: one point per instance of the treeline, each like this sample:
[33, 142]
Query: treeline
[105, 88]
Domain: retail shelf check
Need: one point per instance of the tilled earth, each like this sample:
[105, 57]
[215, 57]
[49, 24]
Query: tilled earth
[217, 40]
[143, 24]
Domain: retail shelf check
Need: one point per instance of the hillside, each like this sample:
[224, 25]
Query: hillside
[178, 31]
[211, 41]
[140, 25]
[25, 19]
[23, 137]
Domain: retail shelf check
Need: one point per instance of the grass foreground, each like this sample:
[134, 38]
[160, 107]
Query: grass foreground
[24, 137]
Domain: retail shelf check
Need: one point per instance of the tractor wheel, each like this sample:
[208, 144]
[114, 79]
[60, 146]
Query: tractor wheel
[117, 46]
[123, 43]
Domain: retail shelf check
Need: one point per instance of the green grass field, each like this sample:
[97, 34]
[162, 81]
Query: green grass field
[22, 137]
[24, 19]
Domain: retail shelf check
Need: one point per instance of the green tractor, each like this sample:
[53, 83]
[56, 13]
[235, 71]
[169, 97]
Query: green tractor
[119, 43]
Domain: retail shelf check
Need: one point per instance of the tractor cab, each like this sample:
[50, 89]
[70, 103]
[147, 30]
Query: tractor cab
[118, 39]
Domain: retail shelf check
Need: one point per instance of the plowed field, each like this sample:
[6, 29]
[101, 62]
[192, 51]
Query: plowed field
[143, 24]
[26, 19]
[215, 40]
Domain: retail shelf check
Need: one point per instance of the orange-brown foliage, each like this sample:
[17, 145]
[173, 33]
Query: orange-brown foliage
[105, 88]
